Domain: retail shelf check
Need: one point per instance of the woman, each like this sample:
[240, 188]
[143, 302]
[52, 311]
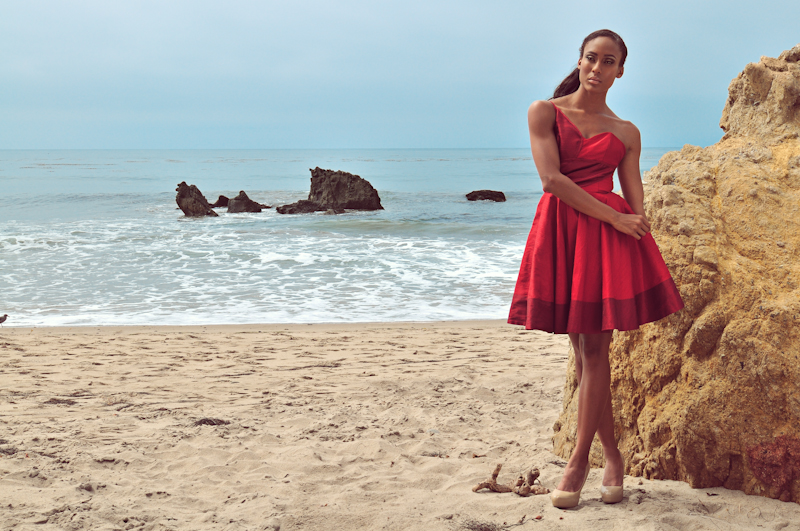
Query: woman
[590, 264]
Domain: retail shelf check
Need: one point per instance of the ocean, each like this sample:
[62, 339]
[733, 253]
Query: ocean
[94, 237]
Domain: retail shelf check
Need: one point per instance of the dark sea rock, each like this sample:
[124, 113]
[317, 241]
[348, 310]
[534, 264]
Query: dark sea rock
[192, 202]
[486, 195]
[242, 203]
[222, 201]
[339, 189]
[333, 192]
[301, 207]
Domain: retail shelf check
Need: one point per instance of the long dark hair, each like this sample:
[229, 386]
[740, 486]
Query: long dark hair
[571, 82]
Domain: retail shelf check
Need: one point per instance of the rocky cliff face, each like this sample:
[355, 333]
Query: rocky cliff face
[711, 395]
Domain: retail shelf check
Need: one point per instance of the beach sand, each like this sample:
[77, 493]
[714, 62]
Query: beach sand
[335, 427]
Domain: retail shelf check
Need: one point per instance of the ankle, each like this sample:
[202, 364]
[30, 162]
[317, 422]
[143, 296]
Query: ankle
[578, 461]
[612, 454]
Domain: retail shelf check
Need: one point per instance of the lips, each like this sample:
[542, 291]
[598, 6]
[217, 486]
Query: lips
[594, 80]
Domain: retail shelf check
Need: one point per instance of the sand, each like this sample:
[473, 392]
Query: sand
[335, 427]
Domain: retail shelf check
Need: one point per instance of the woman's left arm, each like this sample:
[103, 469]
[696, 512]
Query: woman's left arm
[630, 178]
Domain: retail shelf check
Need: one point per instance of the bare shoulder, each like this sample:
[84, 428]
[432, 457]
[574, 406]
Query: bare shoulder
[628, 133]
[541, 113]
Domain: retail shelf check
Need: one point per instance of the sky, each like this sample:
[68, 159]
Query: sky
[196, 74]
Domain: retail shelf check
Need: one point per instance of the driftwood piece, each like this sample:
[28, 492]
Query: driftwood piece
[523, 485]
[492, 484]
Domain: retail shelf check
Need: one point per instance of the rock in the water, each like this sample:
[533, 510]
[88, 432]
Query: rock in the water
[191, 201]
[334, 191]
[486, 195]
[222, 201]
[709, 395]
[301, 207]
[339, 189]
[334, 211]
[242, 203]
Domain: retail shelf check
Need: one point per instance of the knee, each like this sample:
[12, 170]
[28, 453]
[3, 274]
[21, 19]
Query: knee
[592, 355]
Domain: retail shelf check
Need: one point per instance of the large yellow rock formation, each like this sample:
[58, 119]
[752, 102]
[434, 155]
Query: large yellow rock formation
[711, 395]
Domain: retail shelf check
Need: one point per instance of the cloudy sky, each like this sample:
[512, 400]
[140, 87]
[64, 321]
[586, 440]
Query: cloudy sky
[359, 74]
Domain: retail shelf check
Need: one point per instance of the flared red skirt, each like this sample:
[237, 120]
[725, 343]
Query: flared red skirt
[581, 275]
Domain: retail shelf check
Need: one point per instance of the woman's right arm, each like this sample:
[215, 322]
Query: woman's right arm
[541, 121]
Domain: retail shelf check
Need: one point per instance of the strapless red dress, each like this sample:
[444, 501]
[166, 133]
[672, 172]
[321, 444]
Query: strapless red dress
[579, 274]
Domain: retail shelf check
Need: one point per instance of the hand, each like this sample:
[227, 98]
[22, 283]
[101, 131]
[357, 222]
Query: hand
[632, 225]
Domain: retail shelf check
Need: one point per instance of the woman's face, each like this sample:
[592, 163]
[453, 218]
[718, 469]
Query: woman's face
[599, 66]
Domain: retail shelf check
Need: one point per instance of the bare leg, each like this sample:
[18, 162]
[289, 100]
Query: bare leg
[594, 406]
[615, 467]
[576, 347]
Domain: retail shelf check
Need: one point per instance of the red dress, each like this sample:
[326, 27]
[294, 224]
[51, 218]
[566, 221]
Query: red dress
[579, 274]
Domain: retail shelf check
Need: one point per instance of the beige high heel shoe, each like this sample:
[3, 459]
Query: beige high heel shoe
[611, 494]
[566, 500]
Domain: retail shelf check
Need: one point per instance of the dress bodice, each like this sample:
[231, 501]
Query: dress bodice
[589, 162]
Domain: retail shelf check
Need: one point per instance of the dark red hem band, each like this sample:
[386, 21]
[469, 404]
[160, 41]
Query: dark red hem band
[594, 317]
